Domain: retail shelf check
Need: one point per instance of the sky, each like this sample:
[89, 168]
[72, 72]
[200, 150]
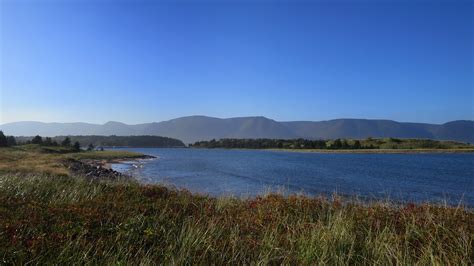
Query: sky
[144, 61]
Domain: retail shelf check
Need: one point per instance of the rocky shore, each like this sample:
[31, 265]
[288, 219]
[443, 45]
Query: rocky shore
[94, 171]
[98, 169]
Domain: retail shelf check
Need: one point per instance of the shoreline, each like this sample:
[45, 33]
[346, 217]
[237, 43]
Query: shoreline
[104, 171]
[377, 151]
[108, 163]
[102, 168]
[130, 166]
[68, 207]
[359, 151]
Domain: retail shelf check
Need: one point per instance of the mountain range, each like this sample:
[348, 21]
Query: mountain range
[194, 128]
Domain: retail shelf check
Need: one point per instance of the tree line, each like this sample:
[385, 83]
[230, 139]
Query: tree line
[282, 144]
[6, 141]
[125, 141]
[337, 144]
[93, 141]
[50, 142]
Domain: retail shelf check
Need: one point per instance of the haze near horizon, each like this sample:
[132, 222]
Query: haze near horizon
[145, 61]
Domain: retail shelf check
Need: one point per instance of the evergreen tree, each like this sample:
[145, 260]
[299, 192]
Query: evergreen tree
[337, 144]
[345, 145]
[66, 142]
[90, 147]
[48, 141]
[37, 140]
[76, 146]
[3, 140]
[322, 144]
[11, 141]
[356, 145]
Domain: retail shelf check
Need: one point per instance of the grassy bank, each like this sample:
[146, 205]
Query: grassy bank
[49, 160]
[50, 219]
[53, 218]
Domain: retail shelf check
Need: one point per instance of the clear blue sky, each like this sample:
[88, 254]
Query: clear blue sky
[144, 61]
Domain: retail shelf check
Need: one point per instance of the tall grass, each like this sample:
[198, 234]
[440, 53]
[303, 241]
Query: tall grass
[50, 219]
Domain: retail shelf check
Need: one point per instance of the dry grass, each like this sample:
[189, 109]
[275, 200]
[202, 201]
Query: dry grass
[37, 159]
[19, 160]
[65, 220]
[49, 218]
[105, 155]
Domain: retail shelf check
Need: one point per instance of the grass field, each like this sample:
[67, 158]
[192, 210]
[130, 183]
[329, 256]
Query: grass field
[49, 160]
[49, 218]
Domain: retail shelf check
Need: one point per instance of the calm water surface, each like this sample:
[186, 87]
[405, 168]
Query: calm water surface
[407, 177]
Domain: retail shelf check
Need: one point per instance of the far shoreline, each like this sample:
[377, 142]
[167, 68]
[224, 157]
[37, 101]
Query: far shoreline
[355, 151]
[376, 151]
[333, 151]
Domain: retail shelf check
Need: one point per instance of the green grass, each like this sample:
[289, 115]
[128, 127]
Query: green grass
[49, 216]
[64, 220]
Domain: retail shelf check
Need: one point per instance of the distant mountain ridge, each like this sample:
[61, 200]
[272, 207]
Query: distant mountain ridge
[194, 128]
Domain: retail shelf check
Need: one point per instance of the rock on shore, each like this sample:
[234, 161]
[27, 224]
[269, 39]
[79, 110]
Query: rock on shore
[94, 170]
